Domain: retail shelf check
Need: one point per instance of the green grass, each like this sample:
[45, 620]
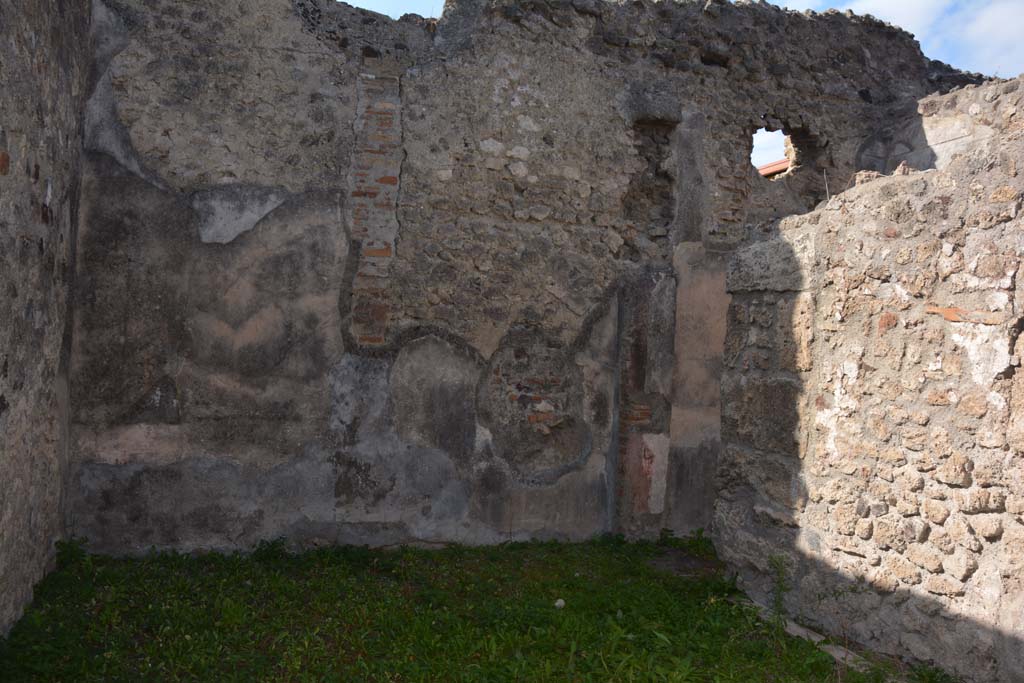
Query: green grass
[352, 614]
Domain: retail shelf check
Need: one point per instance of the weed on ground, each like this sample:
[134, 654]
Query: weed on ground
[457, 614]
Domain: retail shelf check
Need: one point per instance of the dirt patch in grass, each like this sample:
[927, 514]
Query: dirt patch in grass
[682, 563]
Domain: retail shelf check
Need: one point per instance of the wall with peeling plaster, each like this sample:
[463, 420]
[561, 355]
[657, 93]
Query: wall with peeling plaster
[438, 281]
[510, 275]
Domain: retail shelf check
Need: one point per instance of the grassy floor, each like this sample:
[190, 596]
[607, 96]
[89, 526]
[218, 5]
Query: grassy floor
[349, 614]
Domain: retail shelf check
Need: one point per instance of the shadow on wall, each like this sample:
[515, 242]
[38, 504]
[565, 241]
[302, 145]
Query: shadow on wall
[225, 392]
[865, 468]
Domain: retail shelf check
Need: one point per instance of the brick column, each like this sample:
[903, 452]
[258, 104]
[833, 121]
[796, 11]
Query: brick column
[374, 183]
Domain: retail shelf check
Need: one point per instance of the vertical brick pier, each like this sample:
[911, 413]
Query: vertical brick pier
[374, 185]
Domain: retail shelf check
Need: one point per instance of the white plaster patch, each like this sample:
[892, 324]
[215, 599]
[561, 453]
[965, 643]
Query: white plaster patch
[843, 404]
[997, 301]
[996, 401]
[988, 349]
[228, 211]
[483, 438]
[657, 445]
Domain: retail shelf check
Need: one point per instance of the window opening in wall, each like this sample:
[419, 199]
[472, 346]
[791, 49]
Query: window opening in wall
[430, 9]
[770, 153]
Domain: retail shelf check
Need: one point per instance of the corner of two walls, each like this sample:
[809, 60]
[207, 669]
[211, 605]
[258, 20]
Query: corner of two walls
[309, 346]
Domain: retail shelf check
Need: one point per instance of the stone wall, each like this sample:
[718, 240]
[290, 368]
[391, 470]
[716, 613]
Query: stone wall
[510, 274]
[349, 279]
[44, 58]
[872, 393]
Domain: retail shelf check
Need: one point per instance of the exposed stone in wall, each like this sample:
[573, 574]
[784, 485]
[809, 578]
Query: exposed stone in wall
[543, 148]
[425, 277]
[870, 400]
[44, 53]
[509, 275]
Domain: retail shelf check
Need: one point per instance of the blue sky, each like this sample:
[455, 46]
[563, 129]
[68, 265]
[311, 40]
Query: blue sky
[396, 8]
[974, 35]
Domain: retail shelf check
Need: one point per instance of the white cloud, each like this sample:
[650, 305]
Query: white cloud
[974, 35]
[992, 37]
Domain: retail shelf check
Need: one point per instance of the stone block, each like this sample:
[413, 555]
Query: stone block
[944, 584]
[781, 264]
[925, 557]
